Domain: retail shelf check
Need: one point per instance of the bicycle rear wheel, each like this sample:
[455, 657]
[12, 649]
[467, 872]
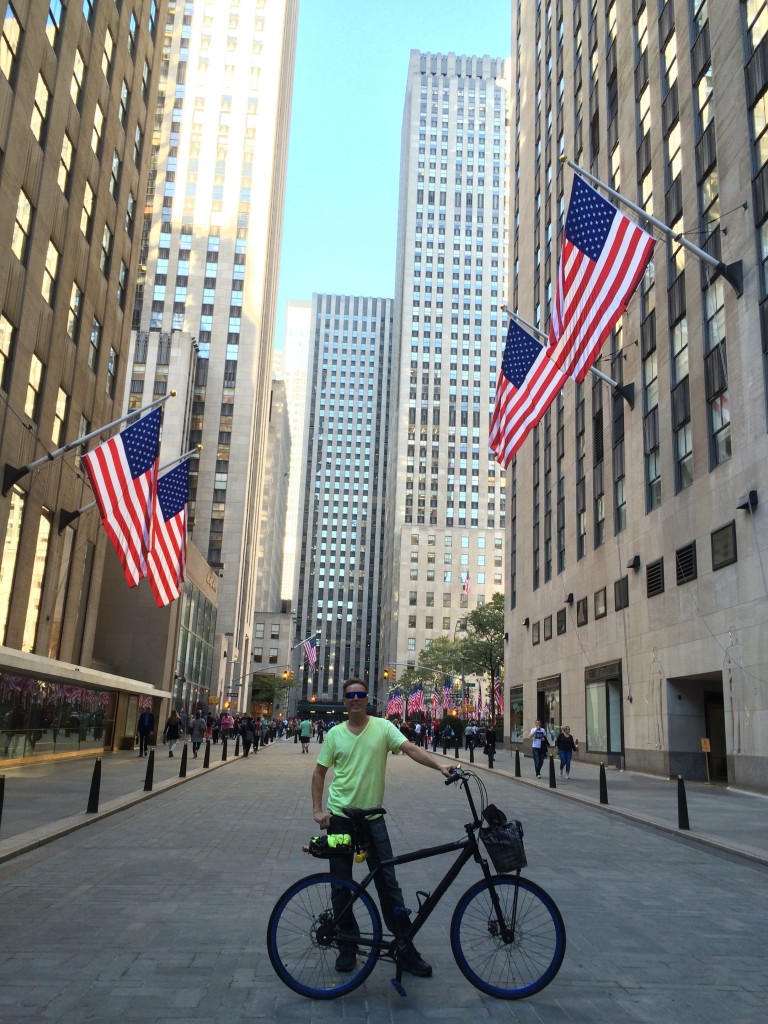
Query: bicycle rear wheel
[304, 939]
[518, 965]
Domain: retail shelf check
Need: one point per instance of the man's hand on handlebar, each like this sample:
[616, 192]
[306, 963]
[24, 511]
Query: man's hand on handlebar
[454, 774]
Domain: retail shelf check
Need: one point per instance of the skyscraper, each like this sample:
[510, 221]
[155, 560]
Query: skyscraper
[638, 605]
[210, 250]
[340, 561]
[446, 497]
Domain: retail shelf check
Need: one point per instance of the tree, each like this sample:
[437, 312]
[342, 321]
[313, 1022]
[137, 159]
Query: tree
[269, 687]
[483, 644]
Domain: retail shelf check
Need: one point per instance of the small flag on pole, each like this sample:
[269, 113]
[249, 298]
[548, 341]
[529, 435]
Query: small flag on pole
[123, 475]
[528, 382]
[167, 560]
[310, 650]
[467, 585]
[603, 258]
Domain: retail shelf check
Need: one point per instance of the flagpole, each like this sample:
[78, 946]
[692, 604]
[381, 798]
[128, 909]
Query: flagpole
[65, 517]
[13, 474]
[627, 391]
[732, 272]
[316, 633]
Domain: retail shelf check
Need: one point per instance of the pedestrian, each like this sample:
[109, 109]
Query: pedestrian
[320, 732]
[305, 735]
[248, 732]
[539, 746]
[357, 751]
[566, 745]
[172, 731]
[197, 729]
[470, 736]
[144, 728]
[184, 720]
[215, 730]
[227, 725]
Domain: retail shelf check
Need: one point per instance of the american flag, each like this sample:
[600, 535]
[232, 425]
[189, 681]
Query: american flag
[310, 650]
[123, 475]
[415, 701]
[446, 698]
[434, 703]
[604, 256]
[466, 587]
[167, 559]
[528, 382]
[497, 697]
[395, 704]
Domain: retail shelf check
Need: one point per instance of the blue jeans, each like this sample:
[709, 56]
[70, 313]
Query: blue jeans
[565, 760]
[390, 893]
[538, 759]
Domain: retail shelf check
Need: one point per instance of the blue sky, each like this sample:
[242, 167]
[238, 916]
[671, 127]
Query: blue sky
[352, 57]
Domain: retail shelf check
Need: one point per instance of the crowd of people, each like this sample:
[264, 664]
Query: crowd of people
[200, 727]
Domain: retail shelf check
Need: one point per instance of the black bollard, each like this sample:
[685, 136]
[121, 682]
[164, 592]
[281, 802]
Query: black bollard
[471, 752]
[183, 765]
[445, 748]
[237, 745]
[603, 785]
[296, 736]
[224, 750]
[552, 782]
[150, 771]
[682, 805]
[517, 764]
[458, 747]
[2, 796]
[207, 757]
[93, 796]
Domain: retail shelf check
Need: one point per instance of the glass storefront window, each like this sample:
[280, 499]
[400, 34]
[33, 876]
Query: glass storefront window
[516, 723]
[40, 717]
[603, 713]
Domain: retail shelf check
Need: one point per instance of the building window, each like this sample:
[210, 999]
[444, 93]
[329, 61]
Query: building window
[258, 631]
[37, 578]
[582, 612]
[7, 344]
[600, 604]
[272, 655]
[723, 546]
[60, 418]
[548, 627]
[78, 78]
[274, 630]
[34, 389]
[88, 6]
[621, 593]
[106, 56]
[138, 141]
[258, 654]
[50, 273]
[536, 633]
[125, 99]
[86, 217]
[561, 622]
[122, 284]
[10, 37]
[22, 227]
[112, 372]
[75, 311]
[94, 345]
[65, 165]
[40, 107]
[133, 27]
[106, 250]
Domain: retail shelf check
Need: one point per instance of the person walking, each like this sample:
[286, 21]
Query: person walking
[539, 746]
[144, 728]
[172, 731]
[305, 735]
[248, 732]
[566, 745]
[357, 751]
[198, 727]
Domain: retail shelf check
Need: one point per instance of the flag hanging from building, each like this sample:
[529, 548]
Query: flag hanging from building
[396, 704]
[467, 585]
[604, 256]
[167, 559]
[310, 650]
[528, 382]
[123, 475]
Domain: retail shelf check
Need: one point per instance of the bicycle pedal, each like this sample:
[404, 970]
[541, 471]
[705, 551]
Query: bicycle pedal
[398, 987]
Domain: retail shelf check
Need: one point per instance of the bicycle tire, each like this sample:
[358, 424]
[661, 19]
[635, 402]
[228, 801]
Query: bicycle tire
[303, 941]
[519, 968]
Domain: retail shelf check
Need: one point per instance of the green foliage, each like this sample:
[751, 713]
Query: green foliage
[268, 686]
[483, 645]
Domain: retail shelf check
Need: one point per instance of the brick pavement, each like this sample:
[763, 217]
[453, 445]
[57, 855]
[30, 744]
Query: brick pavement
[159, 912]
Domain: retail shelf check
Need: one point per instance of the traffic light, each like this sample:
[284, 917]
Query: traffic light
[389, 673]
[226, 705]
[285, 675]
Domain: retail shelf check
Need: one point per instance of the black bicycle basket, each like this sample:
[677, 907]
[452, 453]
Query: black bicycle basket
[503, 840]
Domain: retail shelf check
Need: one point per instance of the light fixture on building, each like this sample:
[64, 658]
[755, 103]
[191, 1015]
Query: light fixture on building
[569, 599]
[748, 503]
[634, 562]
[526, 622]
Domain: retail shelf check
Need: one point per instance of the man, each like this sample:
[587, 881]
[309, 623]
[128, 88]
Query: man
[305, 735]
[539, 746]
[145, 727]
[357, 751]
[197, 730]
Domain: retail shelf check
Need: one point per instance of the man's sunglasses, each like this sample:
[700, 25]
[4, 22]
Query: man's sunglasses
[356, 695]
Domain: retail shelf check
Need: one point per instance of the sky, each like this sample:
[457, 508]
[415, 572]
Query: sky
[340, 224]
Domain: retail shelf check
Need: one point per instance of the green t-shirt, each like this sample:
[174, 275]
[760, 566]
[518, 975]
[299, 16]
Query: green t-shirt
[359, 763]
[305, 729]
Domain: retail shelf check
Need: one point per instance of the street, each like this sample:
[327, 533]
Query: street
[158, 913]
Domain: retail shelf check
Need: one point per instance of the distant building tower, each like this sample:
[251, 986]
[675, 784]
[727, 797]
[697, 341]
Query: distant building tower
[446, 495]
[342, 504]
[210, 252]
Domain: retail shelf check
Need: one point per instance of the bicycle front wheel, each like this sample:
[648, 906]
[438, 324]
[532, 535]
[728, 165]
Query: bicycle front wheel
[304, 936]
[518, 958]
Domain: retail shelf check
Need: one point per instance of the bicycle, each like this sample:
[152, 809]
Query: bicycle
[507, 934]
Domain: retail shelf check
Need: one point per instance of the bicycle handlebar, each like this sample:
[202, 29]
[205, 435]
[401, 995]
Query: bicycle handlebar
[457, 775]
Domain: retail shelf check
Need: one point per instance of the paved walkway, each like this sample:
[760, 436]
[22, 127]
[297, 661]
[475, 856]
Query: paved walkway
[49, 800]
[158, 914]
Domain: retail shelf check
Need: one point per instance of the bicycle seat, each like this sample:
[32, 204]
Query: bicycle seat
[362, 812]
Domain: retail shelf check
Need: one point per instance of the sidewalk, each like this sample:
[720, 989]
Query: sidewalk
[43, 802]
